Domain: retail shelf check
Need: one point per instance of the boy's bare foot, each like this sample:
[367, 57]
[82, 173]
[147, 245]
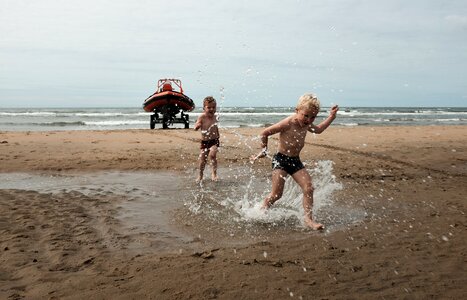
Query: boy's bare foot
[199, 179]
[313, 225]
[214, 177]
[266, 205]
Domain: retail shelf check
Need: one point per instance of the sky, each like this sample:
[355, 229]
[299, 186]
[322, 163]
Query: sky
[110, 53]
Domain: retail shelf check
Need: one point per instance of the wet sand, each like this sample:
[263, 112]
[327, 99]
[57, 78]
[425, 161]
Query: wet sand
[396, 229]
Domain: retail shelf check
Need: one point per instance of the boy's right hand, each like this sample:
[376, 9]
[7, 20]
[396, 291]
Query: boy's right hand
[253, 158]
[263, 153]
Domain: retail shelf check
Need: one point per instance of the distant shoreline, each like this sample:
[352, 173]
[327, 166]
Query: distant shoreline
[292, 107]
[381, 126]
[46, 119]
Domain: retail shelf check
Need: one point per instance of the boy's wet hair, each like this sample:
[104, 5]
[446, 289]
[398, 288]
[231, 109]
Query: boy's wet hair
[309, 101]
[208, 99]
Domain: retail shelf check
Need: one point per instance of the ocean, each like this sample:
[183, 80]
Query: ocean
[46, 119]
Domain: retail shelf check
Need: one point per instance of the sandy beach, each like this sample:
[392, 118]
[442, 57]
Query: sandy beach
[117, 215]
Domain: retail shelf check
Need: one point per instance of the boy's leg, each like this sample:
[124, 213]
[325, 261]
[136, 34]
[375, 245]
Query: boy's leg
[213, 158]
[202, 163]
[278, 181]
[303, 178]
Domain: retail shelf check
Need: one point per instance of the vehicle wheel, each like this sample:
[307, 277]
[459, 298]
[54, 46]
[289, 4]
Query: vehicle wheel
[186, 119]
[165, 123]
[152, 122]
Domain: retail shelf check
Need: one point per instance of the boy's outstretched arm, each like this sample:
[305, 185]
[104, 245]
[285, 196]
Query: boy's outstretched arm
[325, 124]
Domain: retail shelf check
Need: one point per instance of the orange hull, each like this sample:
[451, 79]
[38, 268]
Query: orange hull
[160, 99]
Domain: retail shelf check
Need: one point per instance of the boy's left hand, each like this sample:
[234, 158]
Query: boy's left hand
[334, 110]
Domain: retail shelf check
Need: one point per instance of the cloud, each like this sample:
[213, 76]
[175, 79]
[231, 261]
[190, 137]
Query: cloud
[251, 48]
[457, 20]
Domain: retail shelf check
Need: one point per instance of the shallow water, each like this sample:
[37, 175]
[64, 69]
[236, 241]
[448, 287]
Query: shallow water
[148, 199]
[232, 207]
[169, 211]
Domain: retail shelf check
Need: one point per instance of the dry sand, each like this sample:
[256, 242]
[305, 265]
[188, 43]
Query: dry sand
[72, 244]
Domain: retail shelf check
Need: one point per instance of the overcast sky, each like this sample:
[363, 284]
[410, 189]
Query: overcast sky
[110, 53]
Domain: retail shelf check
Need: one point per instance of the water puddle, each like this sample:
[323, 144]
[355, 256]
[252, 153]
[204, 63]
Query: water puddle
[148, 200]
[169, 210]
[230, 209]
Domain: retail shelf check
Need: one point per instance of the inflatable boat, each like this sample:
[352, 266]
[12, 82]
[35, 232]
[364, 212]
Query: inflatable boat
[168, 101]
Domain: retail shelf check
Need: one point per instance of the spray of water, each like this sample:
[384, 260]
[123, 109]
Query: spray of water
[248, 205]
[240, 198]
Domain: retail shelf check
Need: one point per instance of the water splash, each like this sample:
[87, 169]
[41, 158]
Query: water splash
[238, 198]
[290, 205]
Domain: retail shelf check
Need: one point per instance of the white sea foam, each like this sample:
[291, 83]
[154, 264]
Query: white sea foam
[115, 123]
[38, 113]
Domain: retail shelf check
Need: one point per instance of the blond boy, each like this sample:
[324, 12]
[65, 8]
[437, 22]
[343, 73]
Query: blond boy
[207, 122]
[292, 132]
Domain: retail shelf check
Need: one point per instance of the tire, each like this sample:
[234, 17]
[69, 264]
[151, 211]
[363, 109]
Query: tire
[165, 123]
[152, 122]
[186, 118]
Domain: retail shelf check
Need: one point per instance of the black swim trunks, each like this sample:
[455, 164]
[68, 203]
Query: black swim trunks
[209, 143]
[290, 164]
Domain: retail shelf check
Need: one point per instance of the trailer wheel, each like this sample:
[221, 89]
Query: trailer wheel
[152, 122]
[186, 119]
[165, 123]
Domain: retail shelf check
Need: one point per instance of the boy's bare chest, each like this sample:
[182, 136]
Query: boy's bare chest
[295, 135]
[209, 123]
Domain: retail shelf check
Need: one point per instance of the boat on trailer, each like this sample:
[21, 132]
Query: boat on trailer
[167, 102]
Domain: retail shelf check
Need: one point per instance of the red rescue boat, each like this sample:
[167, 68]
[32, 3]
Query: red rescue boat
[168, 102]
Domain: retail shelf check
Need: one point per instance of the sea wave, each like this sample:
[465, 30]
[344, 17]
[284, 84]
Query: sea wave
[391, 113]
[59, 124]
[116, 123]
[37, 113]
[229, 117]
